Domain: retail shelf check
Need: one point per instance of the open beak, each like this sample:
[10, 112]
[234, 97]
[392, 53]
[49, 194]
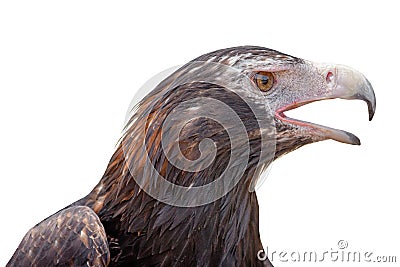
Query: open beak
[341, 82]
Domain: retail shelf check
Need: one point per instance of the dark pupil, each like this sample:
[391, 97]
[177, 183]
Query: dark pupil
[264, 79]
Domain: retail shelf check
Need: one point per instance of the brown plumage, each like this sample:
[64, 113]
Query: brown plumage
[121, 224]
[70, 237]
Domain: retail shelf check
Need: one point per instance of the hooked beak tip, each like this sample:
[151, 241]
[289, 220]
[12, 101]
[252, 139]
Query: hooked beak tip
[351, 84]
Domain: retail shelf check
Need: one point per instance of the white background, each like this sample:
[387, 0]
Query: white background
[68, 71]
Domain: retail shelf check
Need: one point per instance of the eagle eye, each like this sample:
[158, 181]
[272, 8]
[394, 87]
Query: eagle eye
[264, 80]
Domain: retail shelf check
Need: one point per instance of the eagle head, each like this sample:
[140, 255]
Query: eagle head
[287, 82]
[219, 120]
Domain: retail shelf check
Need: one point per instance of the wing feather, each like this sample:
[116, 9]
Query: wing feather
[71, 237]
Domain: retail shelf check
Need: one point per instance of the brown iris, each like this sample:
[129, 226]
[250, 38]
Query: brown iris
[264, 80]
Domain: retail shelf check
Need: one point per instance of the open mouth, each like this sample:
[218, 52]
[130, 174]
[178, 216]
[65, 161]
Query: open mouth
[341, 82]
[319, 131]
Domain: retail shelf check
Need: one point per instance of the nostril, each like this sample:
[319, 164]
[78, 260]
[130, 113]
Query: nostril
[330, 77]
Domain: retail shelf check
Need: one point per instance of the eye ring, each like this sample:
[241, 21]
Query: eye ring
[264, 80]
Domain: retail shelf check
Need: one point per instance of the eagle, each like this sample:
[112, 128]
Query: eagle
[179, 188]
